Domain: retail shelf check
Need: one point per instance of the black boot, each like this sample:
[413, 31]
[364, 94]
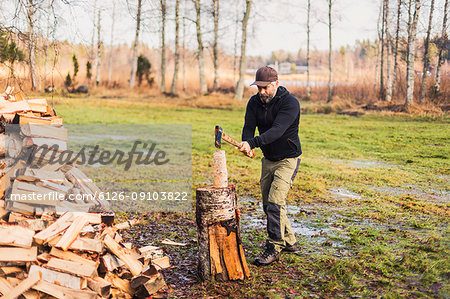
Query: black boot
[269, 256]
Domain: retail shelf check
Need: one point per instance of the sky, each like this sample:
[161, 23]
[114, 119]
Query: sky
[274, 25]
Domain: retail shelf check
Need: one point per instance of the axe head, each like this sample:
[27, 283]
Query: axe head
[218, 137]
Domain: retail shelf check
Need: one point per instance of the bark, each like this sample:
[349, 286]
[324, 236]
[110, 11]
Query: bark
[201, 67]
[426, 58]
[215, 44]
[173, 88]
[330, 63]
[111, 44]
[220, 252]
[397, 31]
[442, 43]
[132, 82]
[163, 45]
[388, 94]
[308, 87]
[411, 51]
[382, 41]
[242, 60]
[31, 44]
[99, 51]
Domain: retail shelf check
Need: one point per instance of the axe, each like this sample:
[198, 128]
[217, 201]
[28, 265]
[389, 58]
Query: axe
[220, 134]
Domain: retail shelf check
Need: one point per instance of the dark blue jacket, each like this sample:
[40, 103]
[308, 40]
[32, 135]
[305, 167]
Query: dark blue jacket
[277, 124]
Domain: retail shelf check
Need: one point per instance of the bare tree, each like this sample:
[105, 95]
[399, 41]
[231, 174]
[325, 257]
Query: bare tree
[442, 42]
[132, 82]
[201, 67]
[173, 88]
[92, 53]
[308, 87]
[111, 51]
[380, 12]
[215, 13]
[184, 45]
[411, 50]
[388, 93]
[426, 58]
[99, 50]
[330, 63]
[397, 32]
[382, 42]
[236, 29]
[31, 43]
[242, 60]
[163, 44]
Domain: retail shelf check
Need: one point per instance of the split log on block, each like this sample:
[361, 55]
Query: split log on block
[72, 232]
[124, 254]
[99, 285]
[58, 291]
[58, 226]
[23, 286]
[70, 267]
[13, 254]
[59, 278]
[14, 235]
[220, 256]
[220, 170]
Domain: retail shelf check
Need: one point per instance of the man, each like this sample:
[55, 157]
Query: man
[276, 113]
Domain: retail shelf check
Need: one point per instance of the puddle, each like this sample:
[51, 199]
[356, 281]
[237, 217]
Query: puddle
[254, 218]
[441, 196]
[343, 193]
[363, 163]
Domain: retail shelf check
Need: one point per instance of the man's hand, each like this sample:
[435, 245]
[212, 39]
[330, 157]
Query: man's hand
[244, 147]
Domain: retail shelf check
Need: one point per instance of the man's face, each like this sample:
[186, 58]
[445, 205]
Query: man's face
[267, 93]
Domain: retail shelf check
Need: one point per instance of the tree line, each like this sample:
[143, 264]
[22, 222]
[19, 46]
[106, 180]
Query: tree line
[391, 28]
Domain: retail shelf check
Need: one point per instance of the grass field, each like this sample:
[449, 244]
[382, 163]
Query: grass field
[370, 205]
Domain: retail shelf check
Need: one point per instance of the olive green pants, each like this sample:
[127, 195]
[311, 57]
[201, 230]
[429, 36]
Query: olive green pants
[276, 180]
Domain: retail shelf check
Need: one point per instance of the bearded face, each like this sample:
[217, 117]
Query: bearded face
[267, 93]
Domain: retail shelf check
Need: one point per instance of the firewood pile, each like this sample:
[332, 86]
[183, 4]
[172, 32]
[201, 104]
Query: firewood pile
[60, 248]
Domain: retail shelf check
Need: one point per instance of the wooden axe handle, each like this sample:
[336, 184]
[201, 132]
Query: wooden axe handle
[231, 141]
